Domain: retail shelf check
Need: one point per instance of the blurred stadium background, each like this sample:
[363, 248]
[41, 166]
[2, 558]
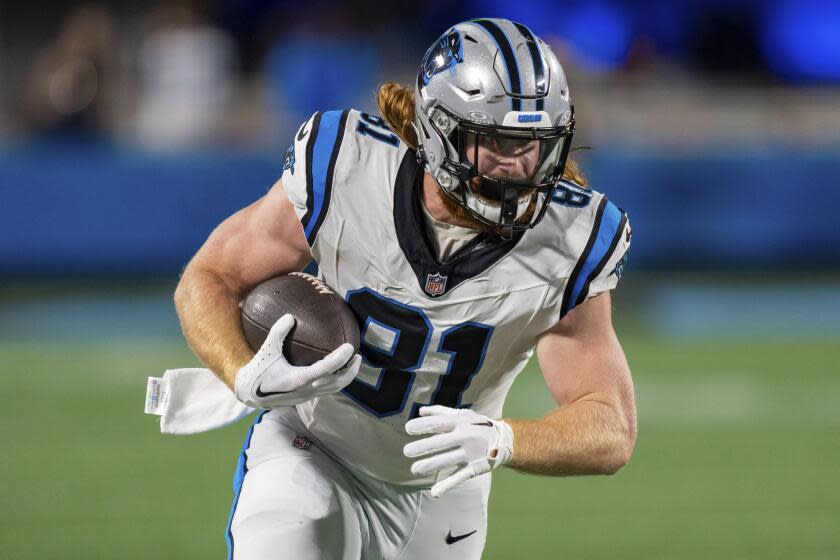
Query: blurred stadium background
[129, 129]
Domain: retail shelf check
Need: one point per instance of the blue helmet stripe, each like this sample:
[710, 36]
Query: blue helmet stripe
[540, 87]
[509, 59]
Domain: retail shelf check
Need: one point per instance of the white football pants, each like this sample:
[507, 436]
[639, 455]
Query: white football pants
[295, 501]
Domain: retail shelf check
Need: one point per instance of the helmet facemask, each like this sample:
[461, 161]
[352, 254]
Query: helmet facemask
[504, 176]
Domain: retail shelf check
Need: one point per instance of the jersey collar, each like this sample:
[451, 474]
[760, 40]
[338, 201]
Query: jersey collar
[437, 278]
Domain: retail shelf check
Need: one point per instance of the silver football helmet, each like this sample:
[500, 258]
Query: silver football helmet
[494, 121]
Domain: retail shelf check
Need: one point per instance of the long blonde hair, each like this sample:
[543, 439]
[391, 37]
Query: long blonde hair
[396, 103]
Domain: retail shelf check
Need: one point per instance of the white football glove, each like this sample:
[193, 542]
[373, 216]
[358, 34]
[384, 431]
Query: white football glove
[269, 381]
[475, 443]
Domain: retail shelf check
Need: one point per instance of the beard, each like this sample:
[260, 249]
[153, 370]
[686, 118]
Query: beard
[462, 216]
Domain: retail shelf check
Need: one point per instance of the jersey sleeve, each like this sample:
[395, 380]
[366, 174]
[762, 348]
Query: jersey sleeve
[309, 166]
[607, 279]
[601, 263]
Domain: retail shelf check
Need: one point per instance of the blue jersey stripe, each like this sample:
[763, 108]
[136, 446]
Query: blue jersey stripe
[603, 262]
[327, 141]
[607, 231]
[310, 143]
[238, 479]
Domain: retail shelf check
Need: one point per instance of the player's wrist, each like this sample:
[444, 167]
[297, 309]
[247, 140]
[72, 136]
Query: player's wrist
[234, 365]
[504, 446]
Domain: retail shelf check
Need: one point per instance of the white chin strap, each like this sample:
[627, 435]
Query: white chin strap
[493, 211]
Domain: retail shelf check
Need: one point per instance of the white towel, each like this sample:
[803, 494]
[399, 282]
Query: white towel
[192, 400]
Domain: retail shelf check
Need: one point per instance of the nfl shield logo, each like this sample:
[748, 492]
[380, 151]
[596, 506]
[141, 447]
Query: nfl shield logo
[302, 442]
[435, 284]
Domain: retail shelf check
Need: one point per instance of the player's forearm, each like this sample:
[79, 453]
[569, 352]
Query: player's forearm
[210, 319]
[590, 436]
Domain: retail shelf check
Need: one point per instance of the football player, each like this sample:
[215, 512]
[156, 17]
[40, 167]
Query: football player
[464, 242]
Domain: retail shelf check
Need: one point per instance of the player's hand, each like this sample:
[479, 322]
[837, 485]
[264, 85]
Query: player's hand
[465, 439]
[269, 381]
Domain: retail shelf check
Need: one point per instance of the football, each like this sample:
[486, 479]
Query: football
[323, 321]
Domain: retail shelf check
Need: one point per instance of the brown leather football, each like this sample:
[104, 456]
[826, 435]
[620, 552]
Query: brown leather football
[323, 321]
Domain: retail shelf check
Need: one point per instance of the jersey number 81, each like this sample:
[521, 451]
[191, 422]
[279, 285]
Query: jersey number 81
[466, 344]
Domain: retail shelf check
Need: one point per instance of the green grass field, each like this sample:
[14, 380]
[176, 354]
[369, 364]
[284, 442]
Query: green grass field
[738, 457]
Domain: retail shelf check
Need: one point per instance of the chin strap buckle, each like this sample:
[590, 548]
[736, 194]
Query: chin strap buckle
[509, 207]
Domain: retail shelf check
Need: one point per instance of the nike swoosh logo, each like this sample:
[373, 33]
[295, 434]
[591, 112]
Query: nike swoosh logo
[261, 394]
[483, 424]
[451, 540]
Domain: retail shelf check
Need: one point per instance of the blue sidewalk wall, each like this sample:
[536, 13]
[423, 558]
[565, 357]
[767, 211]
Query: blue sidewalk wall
[95, 212]
[728, 210]
[102, 211]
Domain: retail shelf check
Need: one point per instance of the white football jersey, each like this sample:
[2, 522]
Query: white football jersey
[455, 333]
